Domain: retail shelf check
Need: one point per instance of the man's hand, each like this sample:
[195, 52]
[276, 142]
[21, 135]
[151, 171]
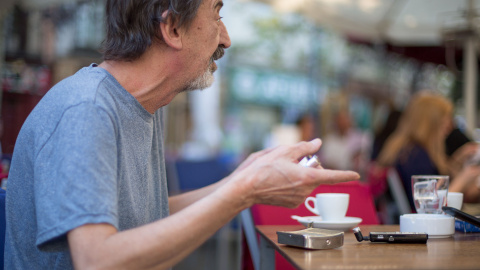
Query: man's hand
[274, 177]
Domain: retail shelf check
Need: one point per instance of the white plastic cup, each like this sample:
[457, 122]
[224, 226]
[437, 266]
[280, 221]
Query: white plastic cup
[455, 200]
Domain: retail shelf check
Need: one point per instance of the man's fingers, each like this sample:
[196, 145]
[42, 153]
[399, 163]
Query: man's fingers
[326, 176]
[301, 149]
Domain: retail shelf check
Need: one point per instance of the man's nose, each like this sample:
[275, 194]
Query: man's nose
[224, 37]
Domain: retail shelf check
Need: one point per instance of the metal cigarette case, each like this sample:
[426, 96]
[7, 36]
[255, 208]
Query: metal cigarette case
[310, 161]
[312, 238]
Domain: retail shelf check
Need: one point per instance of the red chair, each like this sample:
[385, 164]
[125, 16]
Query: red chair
[361, 205]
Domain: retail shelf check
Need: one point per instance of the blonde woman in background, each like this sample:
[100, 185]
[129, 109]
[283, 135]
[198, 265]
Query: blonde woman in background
[418, 144]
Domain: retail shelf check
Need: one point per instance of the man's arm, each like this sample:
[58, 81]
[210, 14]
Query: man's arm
[158, 245]
[269, 177]
[180, 201]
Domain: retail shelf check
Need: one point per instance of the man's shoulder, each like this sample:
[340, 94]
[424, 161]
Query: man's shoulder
[88, 85]
[85, 81]
[79, 91]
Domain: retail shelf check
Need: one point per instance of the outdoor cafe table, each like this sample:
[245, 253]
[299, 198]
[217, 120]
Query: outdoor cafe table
[460, 251]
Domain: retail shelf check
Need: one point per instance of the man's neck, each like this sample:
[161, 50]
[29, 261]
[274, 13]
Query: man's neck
[149, 79]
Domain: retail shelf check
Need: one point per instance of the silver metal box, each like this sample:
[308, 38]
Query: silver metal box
[312, 238]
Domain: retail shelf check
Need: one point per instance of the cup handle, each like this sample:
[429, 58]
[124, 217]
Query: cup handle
[311, 209]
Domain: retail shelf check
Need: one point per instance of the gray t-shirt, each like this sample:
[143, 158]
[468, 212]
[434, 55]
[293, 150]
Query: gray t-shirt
[88, 153]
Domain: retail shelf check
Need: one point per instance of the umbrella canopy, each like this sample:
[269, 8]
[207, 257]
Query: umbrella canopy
[399, 22]
[404, 23]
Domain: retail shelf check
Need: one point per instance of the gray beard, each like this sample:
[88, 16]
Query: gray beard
[201, 82]
[206, 79]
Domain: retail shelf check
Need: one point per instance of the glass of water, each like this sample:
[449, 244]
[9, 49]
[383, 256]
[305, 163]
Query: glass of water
[430, 193]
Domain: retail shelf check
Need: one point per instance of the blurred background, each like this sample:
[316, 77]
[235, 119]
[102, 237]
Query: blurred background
[294, 65]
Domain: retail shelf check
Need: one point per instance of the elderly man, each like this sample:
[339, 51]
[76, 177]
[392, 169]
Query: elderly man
[87, 186]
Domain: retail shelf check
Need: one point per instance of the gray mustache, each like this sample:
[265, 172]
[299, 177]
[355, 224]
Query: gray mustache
[219, 52]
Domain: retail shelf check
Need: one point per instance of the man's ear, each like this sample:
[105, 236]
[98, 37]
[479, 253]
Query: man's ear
[170, 32]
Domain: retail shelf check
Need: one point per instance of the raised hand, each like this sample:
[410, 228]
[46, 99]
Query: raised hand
[274, 176]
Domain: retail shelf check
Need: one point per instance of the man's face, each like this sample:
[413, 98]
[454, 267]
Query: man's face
[206, 40]
[206, 79]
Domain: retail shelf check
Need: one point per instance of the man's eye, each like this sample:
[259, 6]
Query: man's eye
[219, 19]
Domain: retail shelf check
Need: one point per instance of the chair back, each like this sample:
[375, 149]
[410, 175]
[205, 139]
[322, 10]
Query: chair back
[398, 192]
[194, 174]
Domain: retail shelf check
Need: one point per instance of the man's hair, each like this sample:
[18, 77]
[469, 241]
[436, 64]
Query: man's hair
[132, 25]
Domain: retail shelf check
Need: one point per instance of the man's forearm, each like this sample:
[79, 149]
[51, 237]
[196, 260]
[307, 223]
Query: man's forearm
[179, 202]
[158, 245]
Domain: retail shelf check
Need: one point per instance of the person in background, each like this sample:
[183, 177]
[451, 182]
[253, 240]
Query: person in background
[307, 127]
[459, 149]
[455, 140]
[465, 158]
[418, 144]
[376, 174]
[468, 183]
[384, 132]
[345, 146]
[87, 185]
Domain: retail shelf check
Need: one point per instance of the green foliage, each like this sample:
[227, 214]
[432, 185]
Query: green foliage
[278, 39]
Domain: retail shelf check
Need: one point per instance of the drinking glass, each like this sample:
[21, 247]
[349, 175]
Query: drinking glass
[430, 193]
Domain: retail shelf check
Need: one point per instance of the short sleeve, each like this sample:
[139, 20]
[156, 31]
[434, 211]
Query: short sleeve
[75, 175]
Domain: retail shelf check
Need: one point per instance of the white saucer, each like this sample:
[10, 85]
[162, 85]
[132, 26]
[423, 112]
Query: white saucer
[343, 225]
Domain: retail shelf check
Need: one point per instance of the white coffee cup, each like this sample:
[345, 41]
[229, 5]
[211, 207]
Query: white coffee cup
[455, 200]
[331, 206]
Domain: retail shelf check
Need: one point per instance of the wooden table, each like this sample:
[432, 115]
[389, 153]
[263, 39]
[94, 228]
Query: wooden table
[461, 251]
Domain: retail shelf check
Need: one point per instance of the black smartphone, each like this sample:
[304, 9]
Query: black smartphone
[462, 215]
